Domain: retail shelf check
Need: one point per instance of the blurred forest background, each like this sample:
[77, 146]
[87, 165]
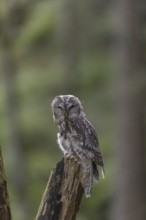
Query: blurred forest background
[96, 50]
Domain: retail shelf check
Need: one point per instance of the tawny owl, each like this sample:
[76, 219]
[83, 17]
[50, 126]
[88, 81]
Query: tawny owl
[77, 138]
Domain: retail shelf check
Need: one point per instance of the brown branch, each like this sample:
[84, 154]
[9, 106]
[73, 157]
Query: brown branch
[63, 194]
[5, 213]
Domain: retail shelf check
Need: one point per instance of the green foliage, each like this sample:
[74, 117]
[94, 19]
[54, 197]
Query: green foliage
[39, 28]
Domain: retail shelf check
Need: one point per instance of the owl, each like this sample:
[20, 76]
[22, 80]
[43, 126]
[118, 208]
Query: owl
[77, 138]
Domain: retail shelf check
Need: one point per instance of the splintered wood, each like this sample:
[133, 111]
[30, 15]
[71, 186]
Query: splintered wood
[63, 193]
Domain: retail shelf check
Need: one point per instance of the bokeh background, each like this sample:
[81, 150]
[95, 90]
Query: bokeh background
[94, 49]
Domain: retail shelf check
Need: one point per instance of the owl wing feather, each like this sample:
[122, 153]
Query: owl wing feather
[89, 137]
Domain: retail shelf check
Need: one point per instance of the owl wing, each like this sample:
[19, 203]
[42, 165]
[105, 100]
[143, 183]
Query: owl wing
[90, 141]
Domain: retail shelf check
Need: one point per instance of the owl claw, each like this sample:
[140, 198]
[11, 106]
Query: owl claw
[67, 155]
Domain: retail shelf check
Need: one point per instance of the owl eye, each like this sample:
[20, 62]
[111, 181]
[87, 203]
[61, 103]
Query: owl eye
[59, 107]
[72, 106]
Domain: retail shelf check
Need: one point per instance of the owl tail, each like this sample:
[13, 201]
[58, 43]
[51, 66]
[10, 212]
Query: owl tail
[86, 177]
[96, 172]
[103, 172]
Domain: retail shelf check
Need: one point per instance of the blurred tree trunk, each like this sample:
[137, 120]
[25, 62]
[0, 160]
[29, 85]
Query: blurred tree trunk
[17, 162]
[10, 72]
[131, 83]
[76, 38]
[5, 213]
[90, 11]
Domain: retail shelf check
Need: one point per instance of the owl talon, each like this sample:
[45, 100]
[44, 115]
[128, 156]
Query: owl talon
[71, 156]
[67, 155]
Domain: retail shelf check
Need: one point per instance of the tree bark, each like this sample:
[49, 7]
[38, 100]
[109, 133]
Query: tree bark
[131, 83]
[5, 213]
[63, 194]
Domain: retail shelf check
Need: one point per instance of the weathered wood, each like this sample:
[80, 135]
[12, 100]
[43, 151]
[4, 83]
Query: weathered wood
[5, 213]
[63, 193]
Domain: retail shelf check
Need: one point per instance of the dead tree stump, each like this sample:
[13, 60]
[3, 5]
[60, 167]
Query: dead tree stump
[63, 193]
[5, 213]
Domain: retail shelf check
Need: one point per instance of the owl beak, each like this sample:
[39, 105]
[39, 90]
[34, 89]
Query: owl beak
[66, 115]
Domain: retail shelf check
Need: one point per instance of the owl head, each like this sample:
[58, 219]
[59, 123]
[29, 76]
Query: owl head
[66, 107]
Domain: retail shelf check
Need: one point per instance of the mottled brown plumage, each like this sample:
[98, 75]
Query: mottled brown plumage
[77, 138]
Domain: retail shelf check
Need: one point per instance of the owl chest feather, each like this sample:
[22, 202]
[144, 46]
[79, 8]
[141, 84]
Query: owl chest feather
[68, 139]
